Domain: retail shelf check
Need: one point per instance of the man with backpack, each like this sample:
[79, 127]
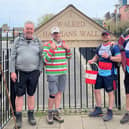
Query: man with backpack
[106, 55]
[124, 43]
[55, 55]
[25, 67]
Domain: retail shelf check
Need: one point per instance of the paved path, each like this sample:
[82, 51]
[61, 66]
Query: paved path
[74, 122]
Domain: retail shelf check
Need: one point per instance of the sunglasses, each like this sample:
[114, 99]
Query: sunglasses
[55, 33]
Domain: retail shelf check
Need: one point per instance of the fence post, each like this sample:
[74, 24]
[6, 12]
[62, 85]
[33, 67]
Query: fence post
[7, 70]
[119, 93]
[12, 88]
[0, 78]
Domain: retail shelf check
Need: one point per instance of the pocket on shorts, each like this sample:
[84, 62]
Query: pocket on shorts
[52, 78]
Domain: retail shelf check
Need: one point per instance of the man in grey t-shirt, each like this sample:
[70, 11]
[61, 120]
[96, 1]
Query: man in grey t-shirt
[26, 64]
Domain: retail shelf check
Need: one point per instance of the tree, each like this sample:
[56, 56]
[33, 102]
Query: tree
[117, 29]
[107, 16]
[44, 19]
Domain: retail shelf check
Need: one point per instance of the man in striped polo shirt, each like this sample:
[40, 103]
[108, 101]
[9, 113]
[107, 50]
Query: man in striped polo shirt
[55, 55]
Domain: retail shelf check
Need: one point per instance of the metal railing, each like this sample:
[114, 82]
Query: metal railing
[5, 113]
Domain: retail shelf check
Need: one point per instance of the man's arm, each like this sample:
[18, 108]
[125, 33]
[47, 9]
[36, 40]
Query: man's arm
[13, 56]
[13, 61]
[117, 55]
[47, 53]
[40, 58]
[94, 59]
[116, 58]
[68, 54]
[68, 51]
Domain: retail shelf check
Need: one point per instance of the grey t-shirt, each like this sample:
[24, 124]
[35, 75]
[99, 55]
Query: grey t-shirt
[26, 56]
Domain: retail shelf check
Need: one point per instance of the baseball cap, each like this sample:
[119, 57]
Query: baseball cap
[105, 33]
[55, 29]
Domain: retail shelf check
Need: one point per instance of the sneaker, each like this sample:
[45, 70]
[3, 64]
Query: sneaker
[125, 118]
[31, 118]
[57, 116]
[96, 113]
[18, 119]
[108, 116]
[50, 117]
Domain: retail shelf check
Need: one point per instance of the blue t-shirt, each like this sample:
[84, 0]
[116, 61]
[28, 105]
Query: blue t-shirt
[105, 66]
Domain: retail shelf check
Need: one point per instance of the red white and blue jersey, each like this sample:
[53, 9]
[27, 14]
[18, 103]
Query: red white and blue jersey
[106, 66]
[126, 47]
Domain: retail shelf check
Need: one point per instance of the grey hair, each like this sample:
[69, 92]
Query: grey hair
[28, 22]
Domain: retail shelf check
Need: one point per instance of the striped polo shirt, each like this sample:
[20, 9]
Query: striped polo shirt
[55, 60]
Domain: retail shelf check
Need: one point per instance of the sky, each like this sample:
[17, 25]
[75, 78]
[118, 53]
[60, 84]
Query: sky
[16, 12]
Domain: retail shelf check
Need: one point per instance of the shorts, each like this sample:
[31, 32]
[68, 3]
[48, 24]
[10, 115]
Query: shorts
[126, 82]
[56, 83]
[0, 77]
[26, 81]
[104, 82]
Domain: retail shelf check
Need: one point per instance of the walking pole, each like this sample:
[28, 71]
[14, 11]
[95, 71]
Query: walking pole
[5, 84]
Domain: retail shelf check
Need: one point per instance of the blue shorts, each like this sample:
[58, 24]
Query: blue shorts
[104, 82]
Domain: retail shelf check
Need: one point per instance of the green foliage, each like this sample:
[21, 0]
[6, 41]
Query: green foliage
[118, 28]
[44, 19]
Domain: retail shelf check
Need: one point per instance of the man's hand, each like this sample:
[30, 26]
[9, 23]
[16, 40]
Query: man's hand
[113, 43]
[53, 46]
[13, 77]
[94, 59]
[105, 55]
[65, 46]
[90, 61]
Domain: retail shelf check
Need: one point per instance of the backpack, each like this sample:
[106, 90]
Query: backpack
[125, 43]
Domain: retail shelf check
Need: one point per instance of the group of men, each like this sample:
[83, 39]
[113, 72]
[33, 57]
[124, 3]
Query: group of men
[28, 57]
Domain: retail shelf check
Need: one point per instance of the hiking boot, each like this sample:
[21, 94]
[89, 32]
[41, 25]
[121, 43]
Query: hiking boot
[50, 117]
[57, 116]
[31, 118]
[96, 113]
[18, 119]
[125, 118]
[108, 116]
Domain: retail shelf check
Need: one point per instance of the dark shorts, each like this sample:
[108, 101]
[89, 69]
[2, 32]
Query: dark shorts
[26, 81]
[56, 83]
[126, 82]
[104, 82]
[0, 77]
